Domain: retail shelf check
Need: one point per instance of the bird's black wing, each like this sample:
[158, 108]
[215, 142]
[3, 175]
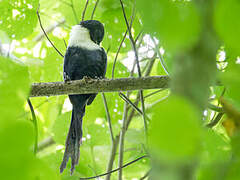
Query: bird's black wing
[101, 75]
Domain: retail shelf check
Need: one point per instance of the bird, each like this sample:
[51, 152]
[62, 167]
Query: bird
[84, 57]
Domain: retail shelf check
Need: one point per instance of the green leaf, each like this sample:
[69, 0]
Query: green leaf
[14, 88]
[96, 134]
[119, 72]
[216, 154]
[227, 23]
[18, 18]
[176, 23]
[60, 127]
[94, 111]
[113, 35]
[135, 136]
[230, 79]
[175, 130]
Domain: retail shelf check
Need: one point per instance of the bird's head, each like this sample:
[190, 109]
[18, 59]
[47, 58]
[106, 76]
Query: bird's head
[95, 28]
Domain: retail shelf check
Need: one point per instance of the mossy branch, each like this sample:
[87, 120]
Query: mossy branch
[87, 86]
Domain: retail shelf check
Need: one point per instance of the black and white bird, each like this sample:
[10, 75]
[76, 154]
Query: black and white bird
[84, 58]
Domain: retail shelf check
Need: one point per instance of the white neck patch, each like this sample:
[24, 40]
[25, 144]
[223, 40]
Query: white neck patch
[80, 37]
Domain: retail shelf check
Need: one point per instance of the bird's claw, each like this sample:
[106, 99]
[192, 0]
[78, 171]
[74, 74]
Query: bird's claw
[66, 77]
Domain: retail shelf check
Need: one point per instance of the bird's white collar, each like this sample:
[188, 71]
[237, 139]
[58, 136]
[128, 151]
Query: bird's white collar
[80, 37]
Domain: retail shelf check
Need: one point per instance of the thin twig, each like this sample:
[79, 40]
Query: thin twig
[9, 49]
[65, 43]
[116, 56]
[155, 92]
[126, 99]
[122, 137]
[139, 34]
[112, 156]
[132, 113]
[93, 170]
[131, 39]
[215, 108]
[45, 143]
[34, 119]
[138, 66]
[73, 9]
[39, 19]
[66, 3]
[74, 12]
[49, 30]
[145, 176]
[117, 169]
[108, 116]
[164, 66]
[94, 9]
[123, 39]
[215, 121]
[84, 10]
[56, 20]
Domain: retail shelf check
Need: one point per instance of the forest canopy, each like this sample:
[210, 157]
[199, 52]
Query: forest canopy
[185, 127]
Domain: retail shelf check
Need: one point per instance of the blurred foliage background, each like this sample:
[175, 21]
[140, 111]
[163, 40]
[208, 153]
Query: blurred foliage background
[193, 126]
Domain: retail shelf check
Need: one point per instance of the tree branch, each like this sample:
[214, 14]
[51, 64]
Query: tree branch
[125, 165]
[87, 86]
[40, 22]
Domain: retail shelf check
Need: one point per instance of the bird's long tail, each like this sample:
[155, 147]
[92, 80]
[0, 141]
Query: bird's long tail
[73, 141]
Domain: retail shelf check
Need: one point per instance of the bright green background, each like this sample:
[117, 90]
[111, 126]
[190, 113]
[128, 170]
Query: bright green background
[177, 136]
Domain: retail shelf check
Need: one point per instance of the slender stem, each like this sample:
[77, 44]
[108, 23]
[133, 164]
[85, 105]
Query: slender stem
[108, 116]
[39, 19]
[34, 119]
[74, 12]
[49, 30]
[215, 121]
[122, 137]
[131, 39]
[84, 10]
[93, 170]
[94, 9]
[124, 37]
[119, 48]
[138, 36]
[45, 143]
[138, 66]
[65, 44]
[112, 156]
[215, 108]
[155, 92]
[126, 99]
[145, 176]
[132, 113]
[160, 56]
[117, 169]
[93, 158]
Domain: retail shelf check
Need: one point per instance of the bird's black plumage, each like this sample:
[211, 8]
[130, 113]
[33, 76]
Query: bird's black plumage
[82, 60]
